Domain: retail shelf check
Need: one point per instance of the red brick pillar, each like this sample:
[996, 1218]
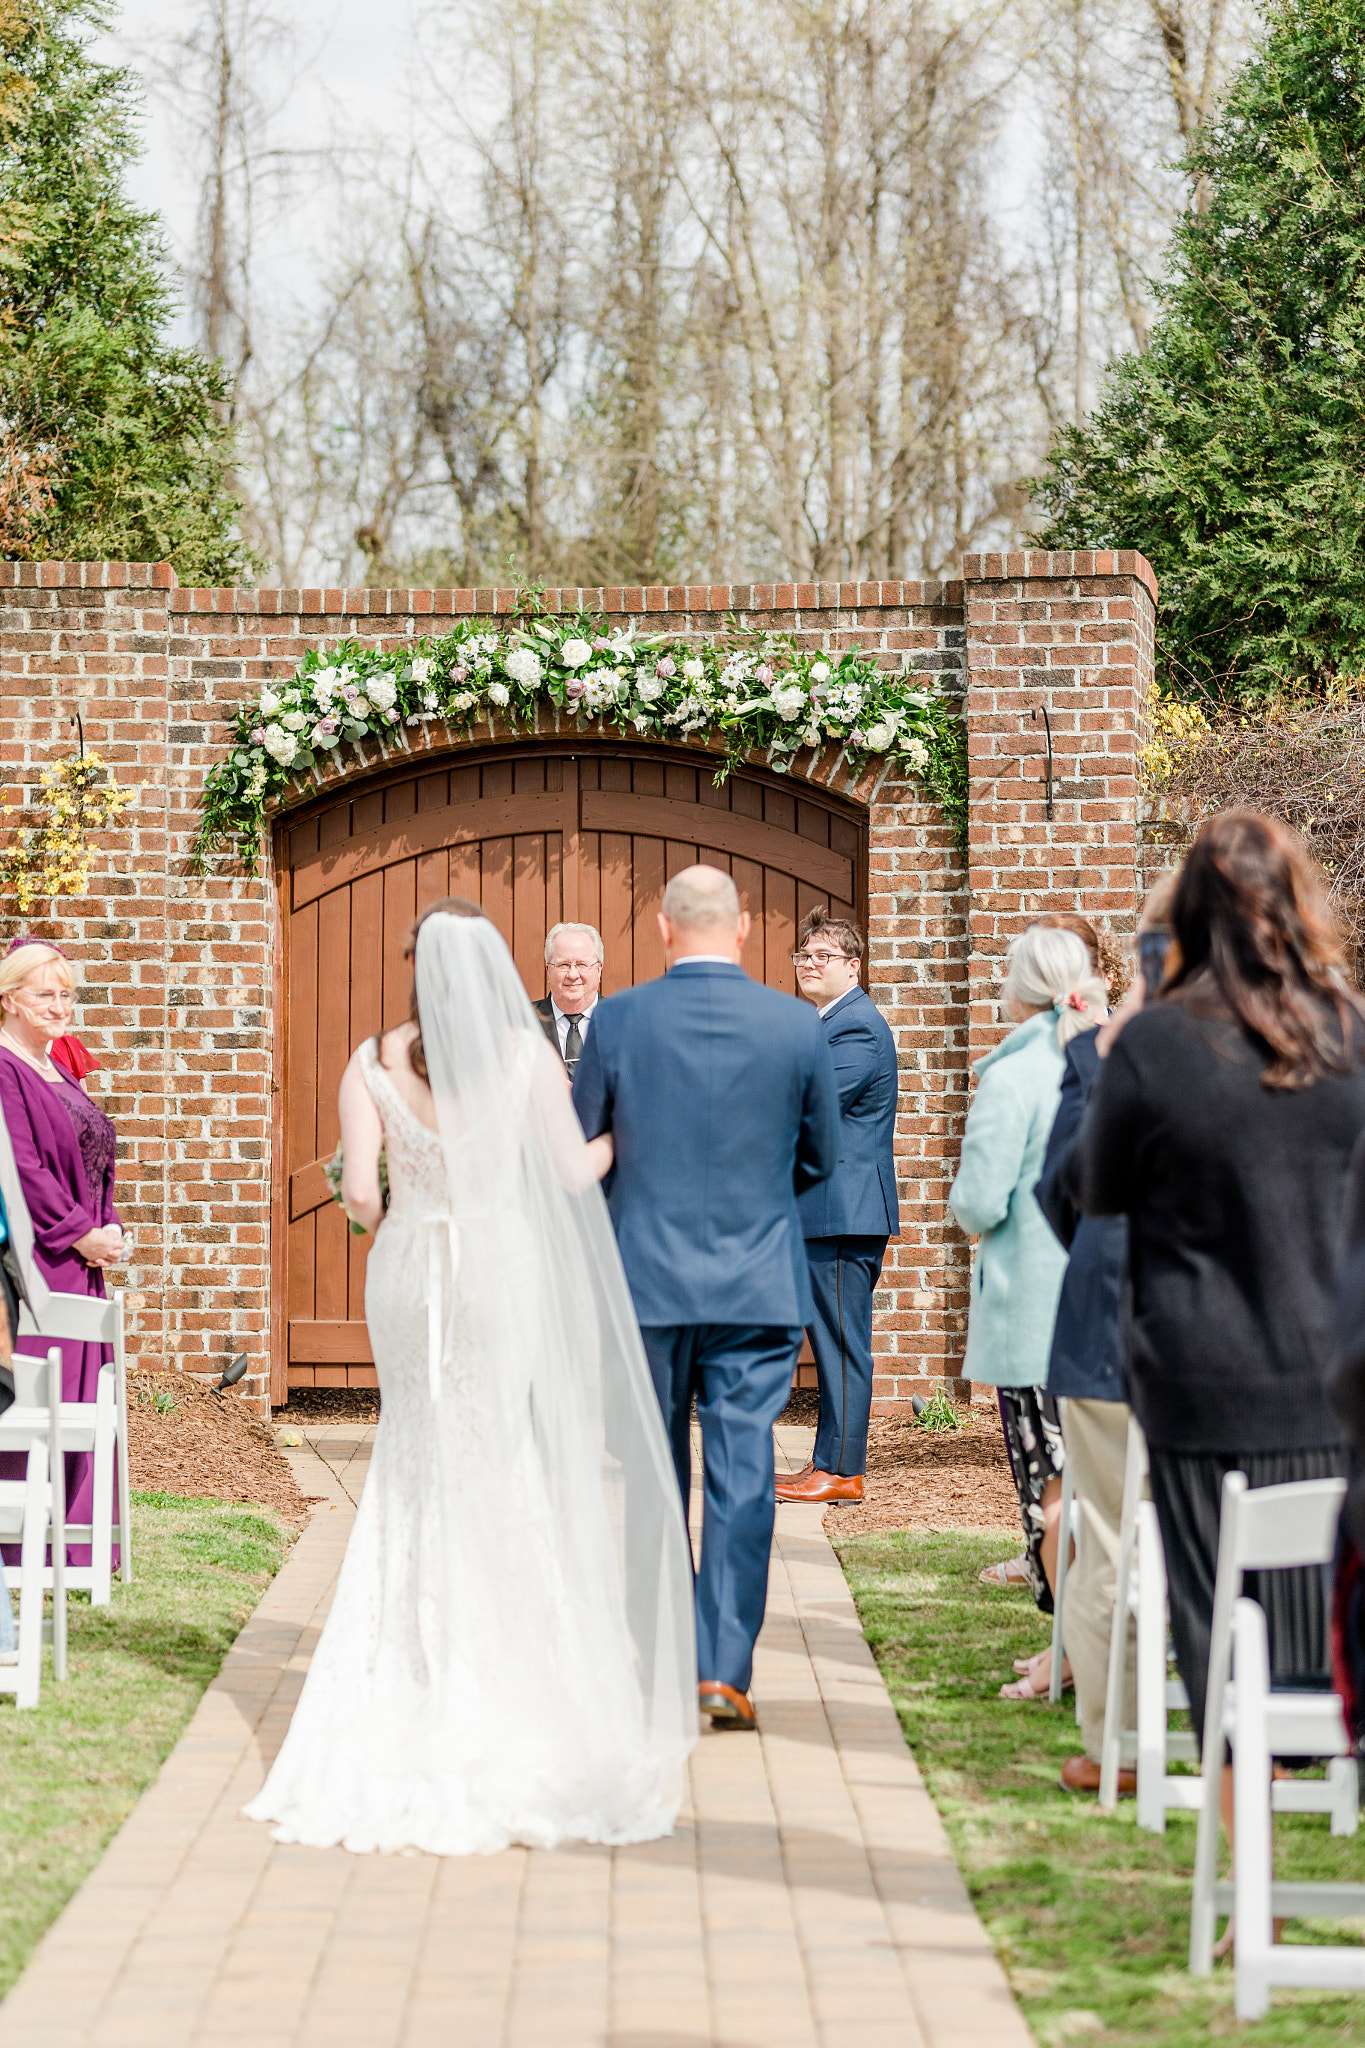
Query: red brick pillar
[1061, 642]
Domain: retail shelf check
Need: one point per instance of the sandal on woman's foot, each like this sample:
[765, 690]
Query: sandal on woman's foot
[1012, 1572]
[1035, 1678]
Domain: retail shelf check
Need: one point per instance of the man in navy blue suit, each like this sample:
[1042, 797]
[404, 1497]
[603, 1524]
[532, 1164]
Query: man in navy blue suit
[848, 1218]
[720, 1099]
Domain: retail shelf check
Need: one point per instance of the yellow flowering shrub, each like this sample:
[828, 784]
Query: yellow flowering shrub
[1173, 729]
[52, 854]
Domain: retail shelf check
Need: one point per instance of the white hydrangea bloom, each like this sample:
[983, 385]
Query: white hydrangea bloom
[383, 692]
[791, 702]
[648, 688]
[523, 666]
[280, 745]
[916, 754]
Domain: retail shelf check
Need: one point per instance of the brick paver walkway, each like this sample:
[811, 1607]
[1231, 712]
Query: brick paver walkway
[806, 1900]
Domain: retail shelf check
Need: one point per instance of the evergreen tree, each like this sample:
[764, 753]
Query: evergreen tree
[1233, 453]
[112, 444]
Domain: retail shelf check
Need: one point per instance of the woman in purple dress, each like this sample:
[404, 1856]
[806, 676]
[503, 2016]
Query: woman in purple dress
[64, 1147]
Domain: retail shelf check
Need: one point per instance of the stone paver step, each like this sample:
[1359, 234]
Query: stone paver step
[807, 1898]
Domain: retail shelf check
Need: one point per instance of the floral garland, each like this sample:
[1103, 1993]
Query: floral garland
[757, 690]
[53, 856]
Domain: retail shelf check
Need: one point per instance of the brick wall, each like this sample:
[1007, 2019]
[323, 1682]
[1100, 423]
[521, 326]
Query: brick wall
[179, 984]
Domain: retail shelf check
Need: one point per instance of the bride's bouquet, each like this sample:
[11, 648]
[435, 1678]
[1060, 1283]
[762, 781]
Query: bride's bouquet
[332, 1171]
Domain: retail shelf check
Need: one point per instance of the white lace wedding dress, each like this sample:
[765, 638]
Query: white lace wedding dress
[508, 1655]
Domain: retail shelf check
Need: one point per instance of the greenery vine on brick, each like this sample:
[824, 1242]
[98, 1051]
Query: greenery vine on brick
[757, 691]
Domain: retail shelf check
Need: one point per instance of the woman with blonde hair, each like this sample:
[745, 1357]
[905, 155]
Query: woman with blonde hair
[1052, 991]
[64, 1148]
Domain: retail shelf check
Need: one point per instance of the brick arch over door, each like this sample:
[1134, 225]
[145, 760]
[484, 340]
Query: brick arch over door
[534, 834]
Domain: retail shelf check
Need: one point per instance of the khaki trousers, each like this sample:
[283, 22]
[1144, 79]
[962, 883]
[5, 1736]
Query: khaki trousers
[1095, 1434]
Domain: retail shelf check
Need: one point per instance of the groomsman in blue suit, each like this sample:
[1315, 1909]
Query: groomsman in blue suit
[721, 1102]
[848, 1218]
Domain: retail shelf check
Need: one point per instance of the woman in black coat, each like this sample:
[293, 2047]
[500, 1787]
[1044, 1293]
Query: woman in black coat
[1222, 1126]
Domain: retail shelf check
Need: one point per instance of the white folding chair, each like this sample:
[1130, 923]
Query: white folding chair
[1068, 1533]
[1265, 1725]
[1140, 1593]
[1267, 1528]
[99, 1426]
[34, 1509]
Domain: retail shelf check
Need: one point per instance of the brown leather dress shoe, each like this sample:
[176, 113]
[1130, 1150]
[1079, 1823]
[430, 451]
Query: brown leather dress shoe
[1080, 1775]
[813, 1485]
[727, 1708]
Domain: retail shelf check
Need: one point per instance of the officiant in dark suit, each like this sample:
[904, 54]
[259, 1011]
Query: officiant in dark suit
[573, 969]
[848, 1218]
[720, 1099]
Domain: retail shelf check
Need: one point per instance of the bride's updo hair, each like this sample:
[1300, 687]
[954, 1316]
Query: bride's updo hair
[445, 906]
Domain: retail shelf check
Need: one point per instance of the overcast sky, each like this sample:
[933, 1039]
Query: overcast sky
[361, 75]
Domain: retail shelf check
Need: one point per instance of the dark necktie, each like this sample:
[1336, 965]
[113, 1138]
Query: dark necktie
[573, 1044]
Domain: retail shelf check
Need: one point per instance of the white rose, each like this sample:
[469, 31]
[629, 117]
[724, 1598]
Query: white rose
[421, 669]
[280, 745]
[694, 670]
[574, 653]
[648, 688]
[383, 691]
[295, 721]
[879, 736]
[820, 672]
[270, 703]
[523, 665]
[360, 707]
[498, 693]
[789, 703]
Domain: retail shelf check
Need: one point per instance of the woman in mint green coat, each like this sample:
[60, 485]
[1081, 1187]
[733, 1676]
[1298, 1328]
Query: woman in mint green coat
[1052, 988]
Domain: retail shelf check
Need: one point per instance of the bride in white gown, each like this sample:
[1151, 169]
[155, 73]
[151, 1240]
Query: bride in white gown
[509, 1655]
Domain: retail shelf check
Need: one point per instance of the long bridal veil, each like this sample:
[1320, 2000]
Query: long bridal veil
[531, 1285]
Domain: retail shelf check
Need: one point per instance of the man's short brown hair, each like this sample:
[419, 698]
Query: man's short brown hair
[835, 931]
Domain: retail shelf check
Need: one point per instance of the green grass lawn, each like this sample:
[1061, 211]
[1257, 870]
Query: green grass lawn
[72, 1768]
[1090, 1916]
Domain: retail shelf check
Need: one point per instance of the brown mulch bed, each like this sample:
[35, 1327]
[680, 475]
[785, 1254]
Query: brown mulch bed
[331, 1404]
[930, 1479]
[206, 1444]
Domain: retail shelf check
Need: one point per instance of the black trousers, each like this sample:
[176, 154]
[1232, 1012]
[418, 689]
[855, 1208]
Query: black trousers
[843, 1273]
[1187, 1491]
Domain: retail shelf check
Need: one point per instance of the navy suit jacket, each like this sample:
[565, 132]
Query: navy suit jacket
[1087, 1341]
[859, 1199]
[720, 1097]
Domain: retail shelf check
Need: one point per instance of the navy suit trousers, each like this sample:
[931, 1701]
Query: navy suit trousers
[741, 1376]
[843, 1273]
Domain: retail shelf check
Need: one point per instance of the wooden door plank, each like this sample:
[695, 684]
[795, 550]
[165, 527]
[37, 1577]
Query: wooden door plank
[496, 884]
[747, 876]
[400, 911]
[330, 1340]
[648, 891]
[618, 921]
[528, 911]
[426, 831]
[750, 838]
[779, 930]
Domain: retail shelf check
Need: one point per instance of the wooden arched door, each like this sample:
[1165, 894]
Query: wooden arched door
[534, 836]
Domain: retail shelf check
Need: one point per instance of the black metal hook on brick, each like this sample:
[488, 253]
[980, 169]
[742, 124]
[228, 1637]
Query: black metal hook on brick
[80, 731]
[1047, 728]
